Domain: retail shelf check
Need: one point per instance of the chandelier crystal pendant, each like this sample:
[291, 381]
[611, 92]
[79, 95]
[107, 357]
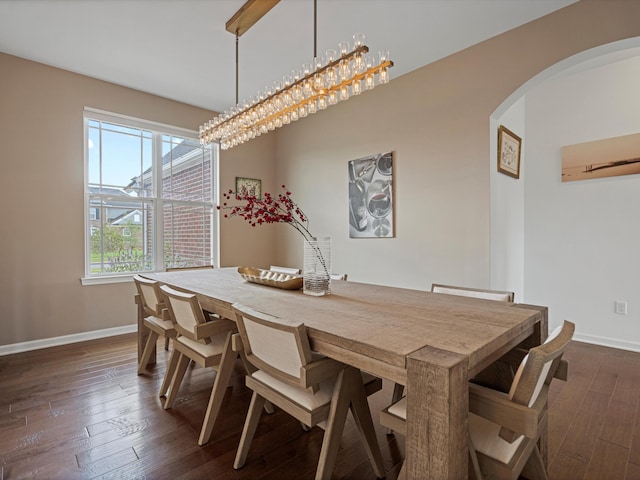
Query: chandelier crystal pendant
[331, 79]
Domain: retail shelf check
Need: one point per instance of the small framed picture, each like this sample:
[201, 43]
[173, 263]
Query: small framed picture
[249, 187]
[508, 152]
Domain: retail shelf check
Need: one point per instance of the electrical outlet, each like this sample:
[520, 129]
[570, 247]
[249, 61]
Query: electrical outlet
[620, 307]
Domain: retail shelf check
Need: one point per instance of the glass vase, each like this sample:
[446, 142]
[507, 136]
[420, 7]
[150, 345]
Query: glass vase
[316, 274]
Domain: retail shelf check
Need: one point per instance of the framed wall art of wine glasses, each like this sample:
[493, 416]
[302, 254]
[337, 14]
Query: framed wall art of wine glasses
[371, 196]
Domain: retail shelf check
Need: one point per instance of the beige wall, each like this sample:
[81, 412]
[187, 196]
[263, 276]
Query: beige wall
[436, 120]
[42, 193]
[241, 244]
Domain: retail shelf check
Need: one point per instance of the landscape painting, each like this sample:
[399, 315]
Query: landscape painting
[611, 157]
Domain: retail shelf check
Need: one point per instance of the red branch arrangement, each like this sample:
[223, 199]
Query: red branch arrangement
[268, 209]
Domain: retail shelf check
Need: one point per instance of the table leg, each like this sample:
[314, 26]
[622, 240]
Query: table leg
[437, 409]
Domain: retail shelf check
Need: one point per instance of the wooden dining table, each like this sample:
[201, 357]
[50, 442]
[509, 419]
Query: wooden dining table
[430, 342]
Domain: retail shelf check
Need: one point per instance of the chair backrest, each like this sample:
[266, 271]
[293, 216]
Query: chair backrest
[473, 292]
[192, 267]
[274, 346]
[150, 295]
[184, 310]
[539, 366]
[289, 270]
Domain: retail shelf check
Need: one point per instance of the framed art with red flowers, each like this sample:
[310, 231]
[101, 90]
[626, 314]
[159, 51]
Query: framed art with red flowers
[509, 145]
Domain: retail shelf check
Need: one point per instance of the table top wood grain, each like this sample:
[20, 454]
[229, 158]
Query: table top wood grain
[374, 327]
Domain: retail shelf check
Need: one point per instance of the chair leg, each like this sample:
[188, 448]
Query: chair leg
[249, 429]
[166, 343]
[534, 468]
[181, 369]
[473, 456]
[335, 425]
[168, 374]
[223, 375]
[398, 390]
[362, 415]
[148, 351]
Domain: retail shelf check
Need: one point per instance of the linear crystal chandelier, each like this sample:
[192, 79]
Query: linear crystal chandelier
[330, 79]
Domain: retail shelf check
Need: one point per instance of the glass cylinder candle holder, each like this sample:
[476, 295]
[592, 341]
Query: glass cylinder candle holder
[369, 82]
[358, 40]
[344, 92]
[356, 87]
[345, 70]
[383, 76]
[311, 106]
[344, 48]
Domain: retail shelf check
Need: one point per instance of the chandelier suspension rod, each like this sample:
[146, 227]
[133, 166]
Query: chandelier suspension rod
[315, 28]
[237, 56]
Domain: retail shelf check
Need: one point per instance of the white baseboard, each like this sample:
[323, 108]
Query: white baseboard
[110, 332]
[66, 339]
[608, 342]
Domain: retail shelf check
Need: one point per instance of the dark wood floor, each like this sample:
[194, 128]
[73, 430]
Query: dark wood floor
[80, 411]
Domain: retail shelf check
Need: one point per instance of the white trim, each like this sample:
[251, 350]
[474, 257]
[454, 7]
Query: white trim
[66, 339]
[608, 342]
[111, 117]
[97, 280]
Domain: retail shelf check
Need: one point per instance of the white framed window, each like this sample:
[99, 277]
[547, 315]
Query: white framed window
[150, 194]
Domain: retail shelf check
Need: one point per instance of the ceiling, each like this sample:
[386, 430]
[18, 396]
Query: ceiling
[180, 49]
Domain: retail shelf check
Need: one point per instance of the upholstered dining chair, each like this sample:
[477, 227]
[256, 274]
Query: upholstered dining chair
[206, 341]
[191, 267]
[497, 295]
[152, 302]
[315, 390]
[504, 428]
[287, 270]
[501, 296]
[185, 267]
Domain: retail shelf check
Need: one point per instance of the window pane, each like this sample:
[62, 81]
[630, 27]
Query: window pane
[186, 171]
[121, 158]
[122, 164]
[121, 236]
[93, 140]
[187, 235]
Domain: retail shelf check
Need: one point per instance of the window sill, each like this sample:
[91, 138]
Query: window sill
[106, 279]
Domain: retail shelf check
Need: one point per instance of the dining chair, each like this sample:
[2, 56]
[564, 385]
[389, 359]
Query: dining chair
[192, 267]
[152, 303]
[501, 296]
[498, 295]
[504, 428]
[206, 341]
[315, 390]
[175, 269]
[287, 270]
